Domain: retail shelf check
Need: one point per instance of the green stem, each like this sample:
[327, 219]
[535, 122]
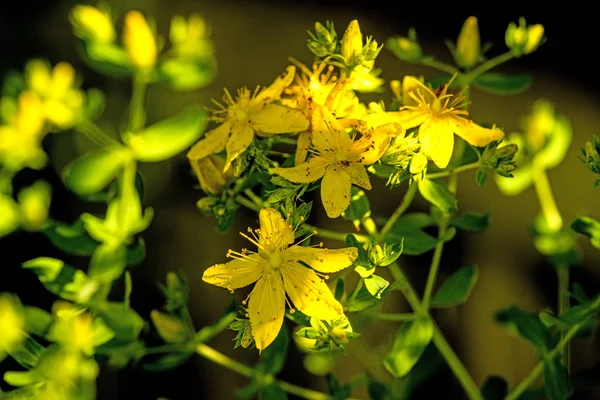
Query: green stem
[563, 305]
[137, 114]
[246, 203]
[328, 234]
[537, 370]
[430, 62]
[456, 170]
[435, 263]
[169, 348]
[221, 359]
[359, 286]
[402, 207]
[486, 66]
[285, 140]
[94, 133]
[391, 316]
[257, 200]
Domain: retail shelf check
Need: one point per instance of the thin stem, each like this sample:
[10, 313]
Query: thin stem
[278, 139]
[435, 264]
[94, 133]
[247, 203]
[137, 114]
[402, 207]
[486, 66]
[359, 286]
[257, 200]
[391, 316]
[328, 234]
[563, 305]
[456, 170]
[221, 359]
[169, 348]
[442, 66]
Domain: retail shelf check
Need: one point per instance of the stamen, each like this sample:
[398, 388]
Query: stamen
[289, 305]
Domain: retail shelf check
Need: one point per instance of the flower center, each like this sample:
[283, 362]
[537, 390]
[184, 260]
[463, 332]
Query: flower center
[275, 260]
[240, 114]
[436, 106]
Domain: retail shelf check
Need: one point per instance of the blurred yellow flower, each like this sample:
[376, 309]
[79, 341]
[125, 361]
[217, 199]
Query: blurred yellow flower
[246, 115]
[92, 24]
[139, 40]
[12, 323]
[277, 270]
[439, 115]
[339, 159]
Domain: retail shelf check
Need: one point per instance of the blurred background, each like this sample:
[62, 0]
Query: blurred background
[253, 41]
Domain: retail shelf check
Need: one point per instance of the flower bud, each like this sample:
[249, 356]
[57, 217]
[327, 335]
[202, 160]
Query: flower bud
[92, 24]
[523, 39]
[468, 45]
[139, 40]
[12, 322]
[506, 152]
[352, 41]
[591, 158]
[171, 329]
[535, 35]
[406, 48]
[418, 163]
[35, 202]
[209, 171]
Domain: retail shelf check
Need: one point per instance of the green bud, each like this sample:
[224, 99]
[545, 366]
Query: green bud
[507, 152]
[506, 170]
[401, 150]
[317, 48]
[206, 205]
[468, 45]
[323, 33]
[591, 158]
[171, 329]
[523, 39]
[371, 50]
[35, 202]
[376, 254]
[406, 48]
[398, 176]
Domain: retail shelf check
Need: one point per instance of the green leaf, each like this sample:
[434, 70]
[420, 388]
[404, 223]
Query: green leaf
[37, 321]
[167, 138]
[410, 343]
[362, 301]
[503, 84]
[589, 227]
[187, 74]
[429, 363]
[556, 380]
[339, 288]
[391, 253]
[363, 257]
[409, 230]
[526, 325]
[378, 390]
[72, 239]
[438, 194]
[359, 207]
[137, 253]
[124, 322]
[167, 362]
[376, 285]
[457, 288]
[272, 359]
[53, 274]
[337, 389]
[92, 172]
[108, 263]
[481, 176]
[472, 221]
[494, 388]
[272, 392]
[106, 58]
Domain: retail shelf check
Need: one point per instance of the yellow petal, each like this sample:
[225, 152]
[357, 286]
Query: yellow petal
[474, 134]
[271, 118]
[410, 118]
[358, 175]
[335, 191]
[327, 132]
[437, 141]
[266, 309]
[280, 83]
[307, 172]
[302, 146]
[323, 260]
[372, 145]
[309, 293]
[235, 274]
[241, 137]
[275, 232]
[209, 171]
[213, 142]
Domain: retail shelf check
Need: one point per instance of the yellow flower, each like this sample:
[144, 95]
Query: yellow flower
[339, 159]
[139, 40]
[277, 270]
[12, 323]
[246, 115]
[438, 115]
[209, 171]
[93, 24]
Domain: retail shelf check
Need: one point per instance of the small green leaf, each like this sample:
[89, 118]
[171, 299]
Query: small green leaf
[108, 263]
[106, 58]
[481, 176]
[359, 207]
[589, 227]
[187, 74]
[167, 138]
[494, 388]
[503, 84]
[272, 392]
[556, 380]
[409, 230]
[457, 288]
[376, 285]
[272, 359]
[363, 300]
[92, 172]
[136, 253]
[472, 221]
[526, 325]
[37, 321]
[170, 328]
[53, 274]
[339, 288]
[363, 257]
[391, 253]
[410, 343]
[124, 322]
[167, 362]
[72, 239]
[438, 194]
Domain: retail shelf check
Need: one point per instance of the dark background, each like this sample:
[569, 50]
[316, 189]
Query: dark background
[183, 239]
